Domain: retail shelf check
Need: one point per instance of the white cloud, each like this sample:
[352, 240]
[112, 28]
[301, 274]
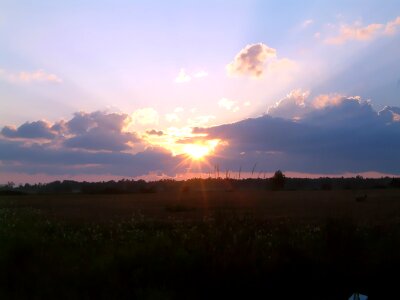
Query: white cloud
[247, 103]
[182, 77]
[145, 116]
[228, 104]
[293, 106]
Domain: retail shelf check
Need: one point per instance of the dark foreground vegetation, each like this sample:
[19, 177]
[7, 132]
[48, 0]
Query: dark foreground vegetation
[277, 182]
[201, 245]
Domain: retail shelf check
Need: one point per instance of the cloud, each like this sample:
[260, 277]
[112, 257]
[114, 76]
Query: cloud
[178, 110]
[307, 23]
[358, 32]
[96, 131]
[297, 104]
[34, 76]
[342, 136]
[390, 114]
[182, 77]
[334, 135]
[327, 99]
[391, 27]
[30, 130]
[145, 116]
[251, 60]
[200, 74]
[228, 104]
[155, 132]
[172, 118]
[17, 157]
[100, 131]
[200, 120]
[97, 139]
[355, 32]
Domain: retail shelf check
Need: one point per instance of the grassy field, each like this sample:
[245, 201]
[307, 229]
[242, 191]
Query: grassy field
[200, 245]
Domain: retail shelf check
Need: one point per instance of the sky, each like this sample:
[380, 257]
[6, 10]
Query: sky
[98, 90]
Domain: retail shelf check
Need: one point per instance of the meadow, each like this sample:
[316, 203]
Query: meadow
[322, 244]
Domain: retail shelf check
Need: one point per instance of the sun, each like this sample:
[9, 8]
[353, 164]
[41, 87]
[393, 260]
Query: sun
[197, 151]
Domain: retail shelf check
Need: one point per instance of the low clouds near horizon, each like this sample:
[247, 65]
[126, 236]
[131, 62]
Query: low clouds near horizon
[322, 134]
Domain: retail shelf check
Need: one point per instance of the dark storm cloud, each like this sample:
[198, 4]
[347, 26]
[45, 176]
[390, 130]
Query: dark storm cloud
[16, 157]
[30, 130]
[92, 131]
[349, 136]
[332, 135]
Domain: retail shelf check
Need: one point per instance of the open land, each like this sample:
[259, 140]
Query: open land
[200, 245]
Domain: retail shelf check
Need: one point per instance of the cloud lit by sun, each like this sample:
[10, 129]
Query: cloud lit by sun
[182, 141]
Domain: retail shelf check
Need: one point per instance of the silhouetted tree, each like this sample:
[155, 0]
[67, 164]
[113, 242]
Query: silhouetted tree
[278, 180]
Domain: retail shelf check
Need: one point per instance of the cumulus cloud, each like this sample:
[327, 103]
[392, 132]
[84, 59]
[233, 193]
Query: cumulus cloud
[298, 103]
[293, 106]
[251, 60]
[96, 131]
[255, 60]
[358, 32]
[34, 76]
[228, 104]
[342, 136]
[327, 99]
[332, 136]
[30, 130]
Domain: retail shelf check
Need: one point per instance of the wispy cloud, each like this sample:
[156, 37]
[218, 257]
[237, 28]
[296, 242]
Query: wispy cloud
[391, 27]
[29, 77]
[358, 32]
[307, 23]
[200, 74]
[184, 77]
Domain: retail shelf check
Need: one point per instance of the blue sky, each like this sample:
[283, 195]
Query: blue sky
[125, 57]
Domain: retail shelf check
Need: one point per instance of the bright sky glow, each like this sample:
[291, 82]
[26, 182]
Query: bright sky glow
[122, 77]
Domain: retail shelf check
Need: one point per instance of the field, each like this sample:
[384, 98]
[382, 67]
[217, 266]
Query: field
[200, 245]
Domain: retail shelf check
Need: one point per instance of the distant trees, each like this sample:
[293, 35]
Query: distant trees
[278, 181]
